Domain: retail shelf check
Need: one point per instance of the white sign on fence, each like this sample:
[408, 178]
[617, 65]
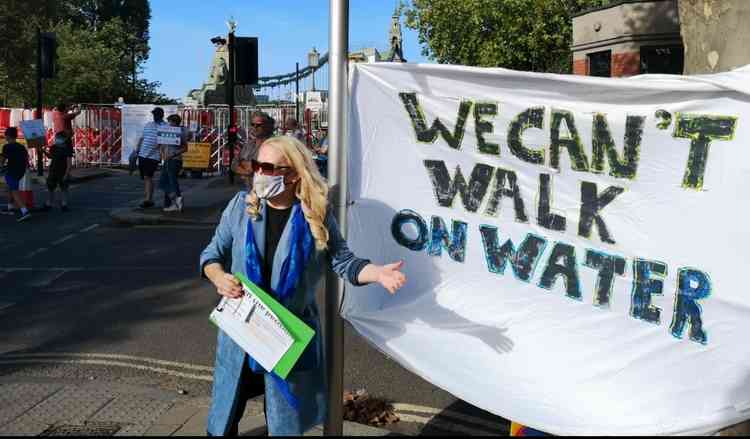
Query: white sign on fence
[169, 135]
[134, 118]
[575, 247]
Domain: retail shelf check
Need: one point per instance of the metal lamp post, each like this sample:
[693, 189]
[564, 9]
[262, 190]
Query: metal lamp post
[296, 92]
[337, 154]
[313, 60]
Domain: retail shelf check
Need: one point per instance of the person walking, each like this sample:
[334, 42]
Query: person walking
[172, 158]
[61, 155]
[149, 155]
[17, 158]
[283, 236]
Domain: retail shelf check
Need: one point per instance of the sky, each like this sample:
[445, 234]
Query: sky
[181, 50]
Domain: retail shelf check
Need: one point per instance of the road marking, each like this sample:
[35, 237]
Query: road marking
[112, 357]
[449, 426]
[60, 241]
[207, 378]
[89, 228]
[36, 252]
[445, 413]
[45, 281]
[176, 226]
[63, 239]
[96, 269]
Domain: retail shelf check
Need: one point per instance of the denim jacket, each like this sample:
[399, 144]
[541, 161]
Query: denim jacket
[307, 380]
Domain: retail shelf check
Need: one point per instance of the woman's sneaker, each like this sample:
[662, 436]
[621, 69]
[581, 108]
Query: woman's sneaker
[24, 217]
[178, 202]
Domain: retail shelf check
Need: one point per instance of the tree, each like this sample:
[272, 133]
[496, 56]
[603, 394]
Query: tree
[19, 20]
[102, 46]
[530, 35]
[136, 17]
[705, 26]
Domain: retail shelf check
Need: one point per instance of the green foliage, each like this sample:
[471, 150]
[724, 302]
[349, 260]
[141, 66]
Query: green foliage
[529, 35]
[101, 44]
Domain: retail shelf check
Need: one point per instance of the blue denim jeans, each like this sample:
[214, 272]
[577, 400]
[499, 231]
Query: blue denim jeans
[168, 181]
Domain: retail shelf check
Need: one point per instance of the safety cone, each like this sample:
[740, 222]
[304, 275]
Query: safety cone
[26, 188]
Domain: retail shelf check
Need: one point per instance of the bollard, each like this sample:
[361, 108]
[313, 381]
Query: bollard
[26, 189]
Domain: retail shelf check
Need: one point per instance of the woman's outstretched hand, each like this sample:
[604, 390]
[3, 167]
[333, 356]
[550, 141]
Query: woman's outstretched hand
[391, 277]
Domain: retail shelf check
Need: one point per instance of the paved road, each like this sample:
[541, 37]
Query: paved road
[81, 298]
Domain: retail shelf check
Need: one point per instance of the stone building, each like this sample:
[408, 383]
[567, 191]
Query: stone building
[395, 43]
[628, 37]
[213, 91]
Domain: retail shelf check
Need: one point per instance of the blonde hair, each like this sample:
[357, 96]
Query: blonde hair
[312, 190]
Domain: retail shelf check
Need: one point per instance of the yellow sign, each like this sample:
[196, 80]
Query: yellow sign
[197, 156]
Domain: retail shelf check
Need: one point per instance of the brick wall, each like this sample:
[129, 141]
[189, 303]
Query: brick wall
[580, 67]
[626, 64]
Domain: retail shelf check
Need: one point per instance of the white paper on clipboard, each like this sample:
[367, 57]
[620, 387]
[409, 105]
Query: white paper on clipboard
[254, 327]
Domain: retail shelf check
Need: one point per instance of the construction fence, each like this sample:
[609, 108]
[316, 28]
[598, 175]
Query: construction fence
[98, 131]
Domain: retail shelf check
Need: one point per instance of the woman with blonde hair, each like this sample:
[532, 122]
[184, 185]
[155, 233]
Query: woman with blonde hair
[283, 236]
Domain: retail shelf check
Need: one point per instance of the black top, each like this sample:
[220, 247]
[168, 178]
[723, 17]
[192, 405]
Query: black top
[276, 220]
[17, 158]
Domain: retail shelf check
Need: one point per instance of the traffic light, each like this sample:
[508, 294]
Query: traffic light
[48, 55]
[245, 61]
[232, 137]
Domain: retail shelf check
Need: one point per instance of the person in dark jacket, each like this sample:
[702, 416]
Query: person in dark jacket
[17, 158]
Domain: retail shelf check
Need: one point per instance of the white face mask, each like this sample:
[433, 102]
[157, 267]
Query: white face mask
[268, 186]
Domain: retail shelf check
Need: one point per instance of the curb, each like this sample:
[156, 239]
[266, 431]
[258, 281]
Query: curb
[92, 176]
[130, 217]
[37, 180]
[198, 215]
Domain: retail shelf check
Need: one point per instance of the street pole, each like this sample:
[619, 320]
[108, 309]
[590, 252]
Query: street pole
[39, 115]
[133, 99]
[296, 94]
[337, 172]
[232, 131]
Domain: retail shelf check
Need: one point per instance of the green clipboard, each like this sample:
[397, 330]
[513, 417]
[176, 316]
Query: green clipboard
[300, 332]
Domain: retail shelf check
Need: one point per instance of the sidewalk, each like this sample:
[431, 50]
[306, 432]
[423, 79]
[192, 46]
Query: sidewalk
[32, 406]
[77, 175]
[204, 203]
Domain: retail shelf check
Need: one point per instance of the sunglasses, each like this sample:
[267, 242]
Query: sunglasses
[268, 168]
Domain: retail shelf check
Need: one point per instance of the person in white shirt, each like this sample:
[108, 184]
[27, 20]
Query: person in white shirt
[149, 155]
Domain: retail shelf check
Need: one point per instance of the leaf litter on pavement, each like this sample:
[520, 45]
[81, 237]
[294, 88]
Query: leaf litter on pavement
[360, 407]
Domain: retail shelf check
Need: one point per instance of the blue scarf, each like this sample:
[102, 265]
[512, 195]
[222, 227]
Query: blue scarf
[302, 244]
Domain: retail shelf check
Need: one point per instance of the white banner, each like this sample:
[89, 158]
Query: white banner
[134, 118]
[574, 246]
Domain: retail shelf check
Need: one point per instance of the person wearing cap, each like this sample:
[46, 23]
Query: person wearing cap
[149, 155]
[172, 157]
